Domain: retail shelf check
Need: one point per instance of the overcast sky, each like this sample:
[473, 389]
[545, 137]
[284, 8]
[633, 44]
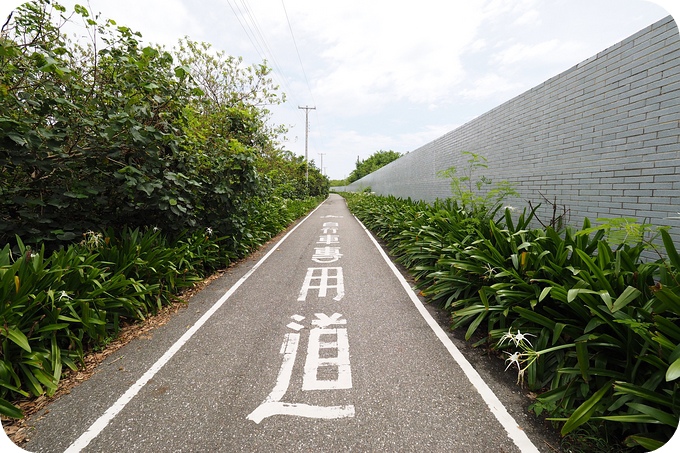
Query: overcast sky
[388, 74]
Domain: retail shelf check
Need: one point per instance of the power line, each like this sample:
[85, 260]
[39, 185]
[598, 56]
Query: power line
[247, 30]
[254, 33]
[265, 44]
[251, 27]
[297, 50]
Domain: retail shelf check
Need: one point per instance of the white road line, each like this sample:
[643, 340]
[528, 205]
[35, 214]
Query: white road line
[515, 433]
[102, 422]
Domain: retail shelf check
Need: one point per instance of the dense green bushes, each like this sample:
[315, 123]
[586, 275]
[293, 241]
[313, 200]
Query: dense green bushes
[596, 328]
[127, 173]
[119, 133]
[56, 306]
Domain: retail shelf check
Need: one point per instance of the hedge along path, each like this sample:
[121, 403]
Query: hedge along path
[16, 429]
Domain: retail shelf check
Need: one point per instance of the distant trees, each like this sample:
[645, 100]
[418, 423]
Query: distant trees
[369, 165]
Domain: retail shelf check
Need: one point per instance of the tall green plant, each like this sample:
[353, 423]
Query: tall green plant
[475, 193]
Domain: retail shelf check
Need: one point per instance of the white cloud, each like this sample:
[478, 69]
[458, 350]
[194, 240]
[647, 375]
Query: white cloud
[385, 74]
[488, 86]
[520, 52]
[530, 17]
[379, 52]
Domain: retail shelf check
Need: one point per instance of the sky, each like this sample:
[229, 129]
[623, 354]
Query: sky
[388, 74]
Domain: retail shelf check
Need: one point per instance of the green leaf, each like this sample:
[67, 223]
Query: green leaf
[671, 251]
[535, 317]
[583, 359]
[182, 71]
[627, 418]
[647, 443]
[628, 295]
[673, 371]
[625, 388]
[17, 336]
[81, 10]
[557, 331]
[9, 410]
[574, 292]
[474, 324]
[607, 298]
[31, 382]
[659, 415]
[583, 413]
[74, 195]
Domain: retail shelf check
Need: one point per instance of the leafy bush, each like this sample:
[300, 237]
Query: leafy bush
[160, 163]
[604, 323]
[57, 306]
[123, 134]
[372, 163]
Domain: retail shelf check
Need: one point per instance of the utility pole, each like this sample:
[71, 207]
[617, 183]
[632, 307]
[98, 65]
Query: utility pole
[306, 108]
[321, 167]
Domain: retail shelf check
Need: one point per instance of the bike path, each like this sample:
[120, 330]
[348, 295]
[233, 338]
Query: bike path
[318, 347]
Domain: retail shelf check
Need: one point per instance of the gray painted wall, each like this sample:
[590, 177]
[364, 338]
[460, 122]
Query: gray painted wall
[602, 137]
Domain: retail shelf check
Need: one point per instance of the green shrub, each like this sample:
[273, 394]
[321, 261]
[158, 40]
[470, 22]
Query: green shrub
[603, 321]
[57, 306]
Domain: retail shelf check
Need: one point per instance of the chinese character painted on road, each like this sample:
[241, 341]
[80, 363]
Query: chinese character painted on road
[329, 239]
[325, 255]
[272, 405]
[334, 364]
[330, 228]
[320, 278]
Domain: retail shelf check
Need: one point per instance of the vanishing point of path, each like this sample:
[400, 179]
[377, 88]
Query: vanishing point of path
[316, 343]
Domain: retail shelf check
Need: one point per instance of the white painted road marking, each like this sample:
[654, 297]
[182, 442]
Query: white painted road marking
[295, 325]
[338, 365]
[515, 433]
[323, 320]
[326, 255]
[329, 239]
[322, 275]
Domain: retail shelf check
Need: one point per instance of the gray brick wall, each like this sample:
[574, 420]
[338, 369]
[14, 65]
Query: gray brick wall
[603, 138]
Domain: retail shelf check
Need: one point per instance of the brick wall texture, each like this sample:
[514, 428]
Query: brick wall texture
[602, 138]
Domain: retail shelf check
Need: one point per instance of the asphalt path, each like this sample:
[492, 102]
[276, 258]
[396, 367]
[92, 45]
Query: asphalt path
[316, 343]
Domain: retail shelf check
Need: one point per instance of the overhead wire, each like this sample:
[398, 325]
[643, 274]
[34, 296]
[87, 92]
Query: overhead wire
[250, 25]
[253, 31]
[302, 66]
[265, 44]
[297, 50]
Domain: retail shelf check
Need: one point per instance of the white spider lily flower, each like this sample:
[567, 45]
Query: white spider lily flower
[520, 337]
[506, 336]
[515, 357]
